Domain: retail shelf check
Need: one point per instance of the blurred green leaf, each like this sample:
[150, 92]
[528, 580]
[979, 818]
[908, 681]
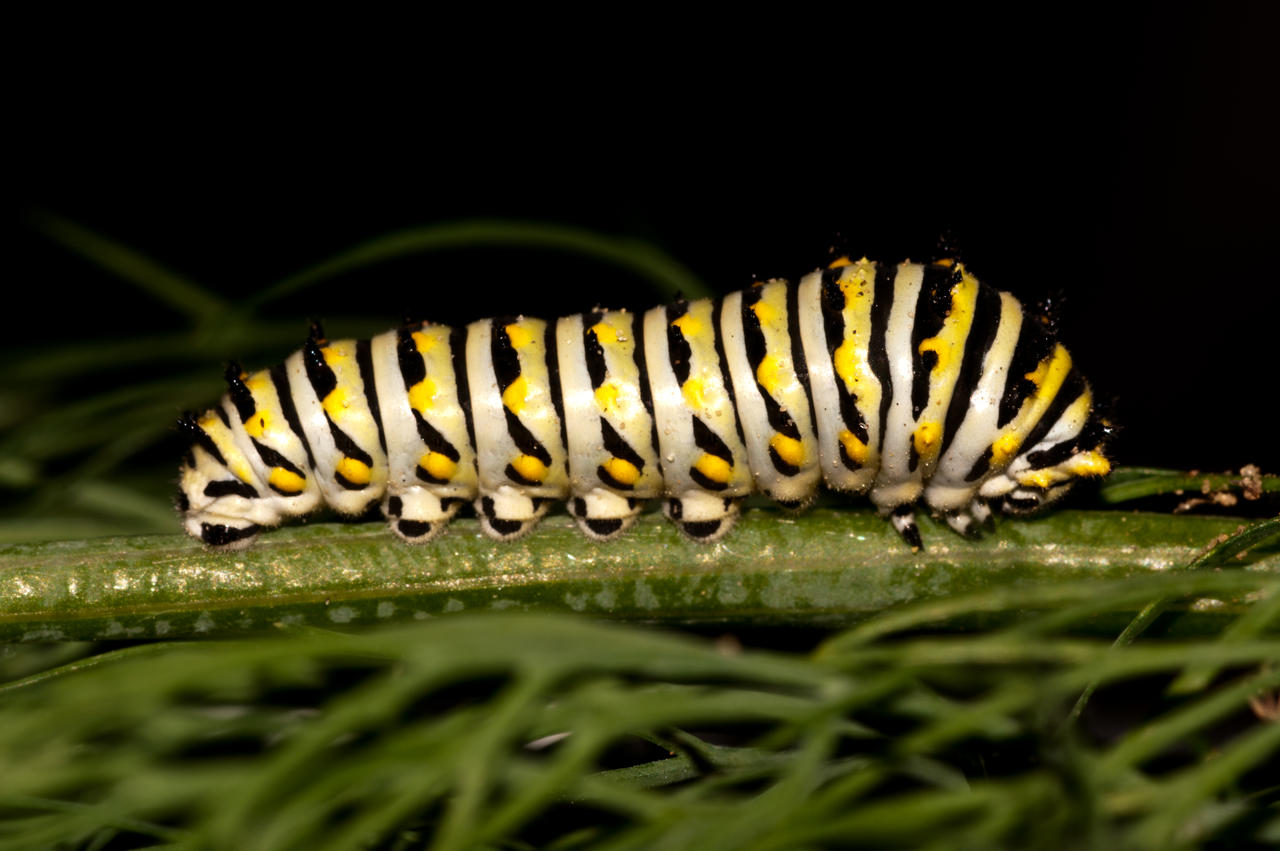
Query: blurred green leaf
[437, 733]
[150, 277]
[668, 276]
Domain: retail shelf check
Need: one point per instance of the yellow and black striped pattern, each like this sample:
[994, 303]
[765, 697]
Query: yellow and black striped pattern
[911, 383]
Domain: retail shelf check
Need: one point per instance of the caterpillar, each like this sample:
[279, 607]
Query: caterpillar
[909, 383]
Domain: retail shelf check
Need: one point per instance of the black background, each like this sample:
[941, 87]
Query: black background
[1122, 160]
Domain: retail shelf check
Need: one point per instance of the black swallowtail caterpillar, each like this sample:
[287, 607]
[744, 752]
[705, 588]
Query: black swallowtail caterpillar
[909, 382]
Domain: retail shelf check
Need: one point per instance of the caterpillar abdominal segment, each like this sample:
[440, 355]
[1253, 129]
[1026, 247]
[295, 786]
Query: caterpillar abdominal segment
[909, 383]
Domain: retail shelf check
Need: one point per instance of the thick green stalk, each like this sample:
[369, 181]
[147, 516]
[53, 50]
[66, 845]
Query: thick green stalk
[823, 568]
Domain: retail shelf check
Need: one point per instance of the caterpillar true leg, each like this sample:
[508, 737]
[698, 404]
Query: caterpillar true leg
[962, 522]
[904, 521]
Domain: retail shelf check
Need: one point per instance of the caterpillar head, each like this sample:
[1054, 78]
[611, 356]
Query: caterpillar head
[1044, 474]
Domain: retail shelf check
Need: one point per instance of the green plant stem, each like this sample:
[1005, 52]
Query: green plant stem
[822, 568]
[1130, 483]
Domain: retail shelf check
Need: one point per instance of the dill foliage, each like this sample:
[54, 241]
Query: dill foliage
[519, 731]
[1004, 711]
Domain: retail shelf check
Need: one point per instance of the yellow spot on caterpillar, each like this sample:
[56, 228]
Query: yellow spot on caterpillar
[946, 261]
[854, 283]
[695, 393]
[714, 468]
[438, 465]
[949, 343]
[336, 403]
[605, 333]
[788, 448]
[422, 396]
[936, 345]
[849, 358]
[1041, 478]
[622, 471]
[258, 382]
[424, 342]
[286, 480]
[258, 424]
[851, 285]
[847, 364]
[926, 437]
[607, 397]
[516, 394]
[530, 468]
[1091, 463]
[689, 325]
[1052, 369]
[765, 312]
[519, 335]
[354, 471]
[854, 448]
[839, 262]
[333, 355]
[769, 374]
[1005, 447]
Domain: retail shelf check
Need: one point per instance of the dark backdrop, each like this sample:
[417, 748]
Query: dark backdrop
[1122, 161]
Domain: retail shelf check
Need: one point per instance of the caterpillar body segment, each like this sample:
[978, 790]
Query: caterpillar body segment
[911, 384]
[602, 378]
